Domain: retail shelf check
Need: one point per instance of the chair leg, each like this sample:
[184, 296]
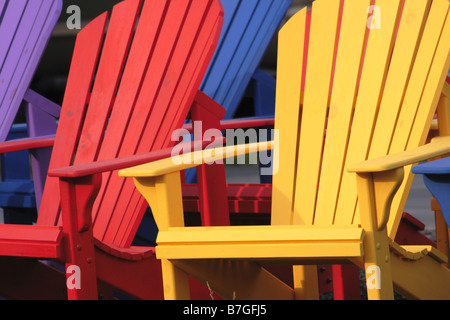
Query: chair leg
[306, 284]
[346, 282]
[176, 282]
[378, 267]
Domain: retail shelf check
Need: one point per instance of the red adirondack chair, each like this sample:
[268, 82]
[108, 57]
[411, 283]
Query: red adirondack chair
[126, 93]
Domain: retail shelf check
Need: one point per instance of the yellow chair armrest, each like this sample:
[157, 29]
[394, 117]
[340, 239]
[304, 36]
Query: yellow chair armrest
[194, 159]
[438, 147]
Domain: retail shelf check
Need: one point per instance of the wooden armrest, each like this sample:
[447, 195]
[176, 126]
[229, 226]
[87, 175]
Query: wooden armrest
[239, 123]
[92, 168]
[193, 159]
[26, 144]
[438, 147]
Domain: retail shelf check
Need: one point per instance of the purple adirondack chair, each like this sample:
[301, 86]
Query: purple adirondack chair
[25, 29]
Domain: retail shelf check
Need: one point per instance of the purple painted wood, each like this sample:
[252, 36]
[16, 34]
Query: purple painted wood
[41, 114]
[25, 29]
[2, 7]
[23, 54]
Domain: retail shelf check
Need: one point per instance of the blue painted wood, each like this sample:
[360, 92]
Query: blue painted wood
[436, 176]
[248, 30]
[25, 29]
[16, 189]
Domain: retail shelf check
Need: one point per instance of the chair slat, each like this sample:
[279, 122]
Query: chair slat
[260, 41]
[434, 34]
[176, 115]
[10, 21]
[151, 19]
[16, 26]
[230, 8]
[348, 65]
[324, 23]
[2, 9]
[23, 59]
[84, 63]
[114, 54]
[240, 22]
[291, 41]
[255, 21]
[399, 71]
[175, 67]
[152, 84]
[372, 80]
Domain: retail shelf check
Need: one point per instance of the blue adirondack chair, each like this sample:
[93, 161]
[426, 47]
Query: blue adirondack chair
[436, 176]
[25, 29]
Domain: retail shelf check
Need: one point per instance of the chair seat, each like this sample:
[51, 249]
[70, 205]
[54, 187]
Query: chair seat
[261, 242]
[31, 241]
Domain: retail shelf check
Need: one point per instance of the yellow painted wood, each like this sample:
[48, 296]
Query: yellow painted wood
[164, 196]
[427, 250]
[430, 95]
[446, 89]
[376, 242]
[305, 283]
[265, 251]
[386, 185]
[439, 146]
[289, 74]
[259, 233]
[194, 159]
[238, 280]
[379, 47]
[443, 115]
[348, 64]
[407, 254]
[407, 41]
[442, 230]
[176, 282]
[322, 41]
[423, 279]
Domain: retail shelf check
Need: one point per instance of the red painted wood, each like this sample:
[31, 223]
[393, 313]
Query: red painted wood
[346, 282]
[84, 62]
[77, 198]
[91, 168]
[26, 144]
[31, 241]
[146, 78]
[169, 106]
[211, 178]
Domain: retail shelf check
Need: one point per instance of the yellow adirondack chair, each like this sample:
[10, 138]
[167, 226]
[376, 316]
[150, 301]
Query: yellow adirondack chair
[377, 103]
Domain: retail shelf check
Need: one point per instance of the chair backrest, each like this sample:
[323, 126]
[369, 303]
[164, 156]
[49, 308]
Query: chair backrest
[370, 89]
[148, 74]
[249, 26]
[25, 28]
